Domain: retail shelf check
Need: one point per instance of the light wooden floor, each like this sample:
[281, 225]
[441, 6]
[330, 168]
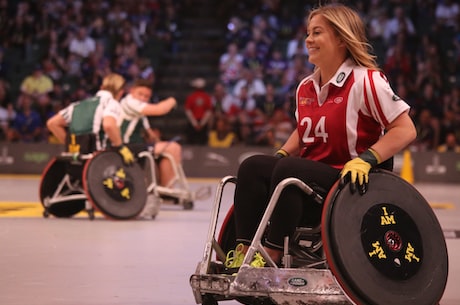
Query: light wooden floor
[101, 262]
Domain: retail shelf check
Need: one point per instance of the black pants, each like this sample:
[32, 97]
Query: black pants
[197, 137]
[257, 178]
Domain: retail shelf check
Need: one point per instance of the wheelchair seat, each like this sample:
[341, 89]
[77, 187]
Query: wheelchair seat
[385, 247]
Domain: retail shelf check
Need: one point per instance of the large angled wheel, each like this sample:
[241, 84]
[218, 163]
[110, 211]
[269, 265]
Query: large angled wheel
[227, 233]
[387, 246]
[115, 189]
[52, 176]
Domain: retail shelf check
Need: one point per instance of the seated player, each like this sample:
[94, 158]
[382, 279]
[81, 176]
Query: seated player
[135, 127]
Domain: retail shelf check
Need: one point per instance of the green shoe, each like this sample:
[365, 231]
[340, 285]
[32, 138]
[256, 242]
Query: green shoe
[235, 257]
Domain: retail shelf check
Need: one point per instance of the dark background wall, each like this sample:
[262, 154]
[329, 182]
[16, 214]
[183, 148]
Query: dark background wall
[205, 162]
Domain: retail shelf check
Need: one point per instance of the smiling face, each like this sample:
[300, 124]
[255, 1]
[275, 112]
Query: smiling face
[141, 93]
[323, 44]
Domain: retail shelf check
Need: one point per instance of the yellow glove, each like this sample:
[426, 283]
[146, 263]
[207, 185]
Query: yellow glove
[126, 154]
[356, 171]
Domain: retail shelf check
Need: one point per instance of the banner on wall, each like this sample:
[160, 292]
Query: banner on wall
[25, 158]
[436, 167]
[205, 162]
[199, 161]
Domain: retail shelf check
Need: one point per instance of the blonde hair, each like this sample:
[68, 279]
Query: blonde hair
[113, 83]
[350, 27]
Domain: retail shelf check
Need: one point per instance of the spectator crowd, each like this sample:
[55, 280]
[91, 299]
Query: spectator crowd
[53, 52]
[417, 44]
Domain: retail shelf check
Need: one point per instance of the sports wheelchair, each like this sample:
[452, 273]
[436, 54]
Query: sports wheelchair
[385, 247]
[85, 179]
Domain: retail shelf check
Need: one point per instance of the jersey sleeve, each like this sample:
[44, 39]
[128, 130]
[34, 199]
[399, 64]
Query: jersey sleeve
[380, 101]
[66, 113]
[133, 107]
[112, 109]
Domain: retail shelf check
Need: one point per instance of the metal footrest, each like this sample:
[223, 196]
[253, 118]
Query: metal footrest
[281, 285]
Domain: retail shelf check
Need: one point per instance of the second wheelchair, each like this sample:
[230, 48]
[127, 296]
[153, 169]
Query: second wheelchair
[100, 181]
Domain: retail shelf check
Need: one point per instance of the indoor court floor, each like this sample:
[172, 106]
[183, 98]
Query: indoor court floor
[78, 261]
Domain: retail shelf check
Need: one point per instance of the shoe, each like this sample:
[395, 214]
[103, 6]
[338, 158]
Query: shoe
[235, 258]
[151, 208]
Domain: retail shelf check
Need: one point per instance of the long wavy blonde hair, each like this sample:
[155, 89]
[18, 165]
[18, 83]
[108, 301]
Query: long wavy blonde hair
[350, 28]
[113, 83]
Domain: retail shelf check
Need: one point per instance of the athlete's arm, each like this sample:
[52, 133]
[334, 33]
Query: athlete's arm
[56, 125]
[291, 146]
[152, 136]
[160, 108]
[399, 134]
[109, 124]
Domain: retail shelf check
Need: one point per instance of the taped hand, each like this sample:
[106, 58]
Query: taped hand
[126, 154]
[356, 171]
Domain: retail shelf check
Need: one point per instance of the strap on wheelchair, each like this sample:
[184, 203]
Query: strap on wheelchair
[80, 144]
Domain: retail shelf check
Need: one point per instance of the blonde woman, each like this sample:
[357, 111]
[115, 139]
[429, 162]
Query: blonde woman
[348, 121]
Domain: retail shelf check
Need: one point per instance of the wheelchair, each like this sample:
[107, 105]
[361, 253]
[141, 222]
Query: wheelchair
[90, 180]
[384, 247]
[177, 191]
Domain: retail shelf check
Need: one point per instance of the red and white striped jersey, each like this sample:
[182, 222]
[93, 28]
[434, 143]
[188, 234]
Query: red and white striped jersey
[344, 118]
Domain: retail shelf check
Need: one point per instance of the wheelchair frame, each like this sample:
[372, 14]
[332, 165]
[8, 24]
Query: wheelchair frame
[270, 284]
[179, 190]
[389, 249]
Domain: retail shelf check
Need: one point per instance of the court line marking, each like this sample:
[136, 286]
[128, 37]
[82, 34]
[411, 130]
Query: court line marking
[34, 209]
[11, 209]
[442, 205]
[18, 209]
[29, 209]
[38, 177]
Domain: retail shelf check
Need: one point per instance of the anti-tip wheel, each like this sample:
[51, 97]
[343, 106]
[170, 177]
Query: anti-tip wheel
[188, 205]
[208, 299]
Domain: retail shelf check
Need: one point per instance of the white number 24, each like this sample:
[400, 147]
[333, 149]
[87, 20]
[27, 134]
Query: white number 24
[319, 130]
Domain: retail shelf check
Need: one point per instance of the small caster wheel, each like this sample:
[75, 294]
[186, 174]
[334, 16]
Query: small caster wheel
[188, 205]
[46, 214]
[208, 299]
[254, 301]
[90, 214]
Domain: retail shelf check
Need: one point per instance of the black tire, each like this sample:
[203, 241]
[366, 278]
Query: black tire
[126, 198]
[393, 235]
[52, 175]
[227, 234]
[208, 299]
